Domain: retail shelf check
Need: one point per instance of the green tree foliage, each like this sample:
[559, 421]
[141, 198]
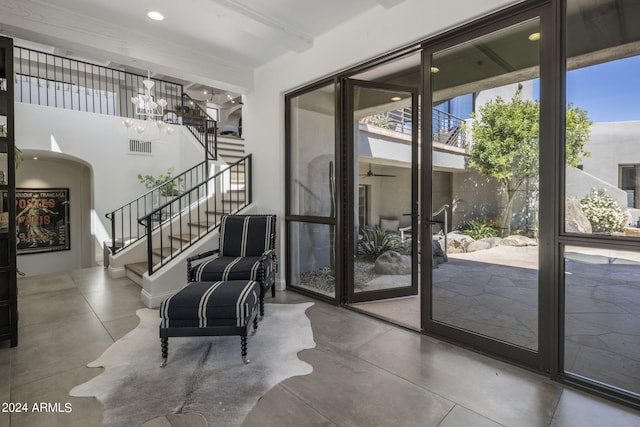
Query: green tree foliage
[505, 143]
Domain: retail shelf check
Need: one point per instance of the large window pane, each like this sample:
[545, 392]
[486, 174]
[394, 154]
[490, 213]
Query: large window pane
[312, 166]
[603, 120]
[312, 257]
[602, 320]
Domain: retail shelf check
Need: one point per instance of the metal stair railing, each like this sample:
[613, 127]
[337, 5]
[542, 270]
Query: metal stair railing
[125, 229]
[448, 129]
[201, 125]
[167, 225]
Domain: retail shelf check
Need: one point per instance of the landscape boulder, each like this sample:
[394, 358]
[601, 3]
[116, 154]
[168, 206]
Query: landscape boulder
[391, 262]
[575, 221]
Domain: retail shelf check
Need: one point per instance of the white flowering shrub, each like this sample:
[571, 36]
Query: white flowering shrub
[602, 211]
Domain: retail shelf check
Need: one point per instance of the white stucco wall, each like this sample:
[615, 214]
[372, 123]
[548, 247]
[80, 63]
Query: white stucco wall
[101, 143]
[604, 161]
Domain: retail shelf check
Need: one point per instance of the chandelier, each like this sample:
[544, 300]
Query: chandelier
[147, 108]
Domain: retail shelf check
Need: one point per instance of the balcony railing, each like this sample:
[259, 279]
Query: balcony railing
[447, 128]
[50, 80]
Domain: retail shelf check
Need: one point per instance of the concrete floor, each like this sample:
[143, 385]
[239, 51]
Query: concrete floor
[365, 372]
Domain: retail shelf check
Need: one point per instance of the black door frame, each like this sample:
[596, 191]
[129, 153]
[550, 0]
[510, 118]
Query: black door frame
[535, 359]
[350, 296]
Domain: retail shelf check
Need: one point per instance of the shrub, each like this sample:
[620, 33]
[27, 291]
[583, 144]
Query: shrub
[481, 228]
[375, 242]
[168, 186]
[602, 211]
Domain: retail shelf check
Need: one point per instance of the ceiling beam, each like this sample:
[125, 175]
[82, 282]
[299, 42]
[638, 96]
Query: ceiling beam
[261, 25]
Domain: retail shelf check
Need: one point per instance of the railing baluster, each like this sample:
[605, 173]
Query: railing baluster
[68, 75]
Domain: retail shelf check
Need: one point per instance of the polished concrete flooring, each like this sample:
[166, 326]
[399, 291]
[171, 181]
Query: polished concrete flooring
[365, 372]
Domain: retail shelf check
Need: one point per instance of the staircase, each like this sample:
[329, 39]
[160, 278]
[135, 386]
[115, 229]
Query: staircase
[191, 216]
[180, 222]
[230, 149]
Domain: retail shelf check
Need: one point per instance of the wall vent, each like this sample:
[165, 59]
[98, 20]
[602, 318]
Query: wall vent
[138, 146]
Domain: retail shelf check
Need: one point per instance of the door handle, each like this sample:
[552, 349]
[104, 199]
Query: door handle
[411, 214]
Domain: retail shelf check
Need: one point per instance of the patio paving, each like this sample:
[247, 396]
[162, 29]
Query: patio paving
[495, 293]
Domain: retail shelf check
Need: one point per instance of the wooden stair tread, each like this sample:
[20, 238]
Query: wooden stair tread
[138, 268]
[184, 237]
[165, 252]
[202, 224]
[231, 149]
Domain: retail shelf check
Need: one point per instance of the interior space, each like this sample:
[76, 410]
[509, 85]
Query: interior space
[240, 213]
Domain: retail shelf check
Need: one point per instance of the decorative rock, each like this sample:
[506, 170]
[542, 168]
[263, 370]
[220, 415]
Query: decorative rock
[516, 240]
[458, 243]
[439, 256]
[483, 244]
[391, 262]
[575, 221]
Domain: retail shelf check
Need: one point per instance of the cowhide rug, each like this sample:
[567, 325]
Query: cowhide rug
[205, 377]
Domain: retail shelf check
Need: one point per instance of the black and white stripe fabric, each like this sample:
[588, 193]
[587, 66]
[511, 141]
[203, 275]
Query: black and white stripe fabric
[227, 268]
[208, 304]
[245, 235]
[244, 239]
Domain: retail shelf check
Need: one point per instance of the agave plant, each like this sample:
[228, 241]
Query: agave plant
[375, 241]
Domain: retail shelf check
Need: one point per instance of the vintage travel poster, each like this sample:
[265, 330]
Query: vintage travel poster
[42, 219]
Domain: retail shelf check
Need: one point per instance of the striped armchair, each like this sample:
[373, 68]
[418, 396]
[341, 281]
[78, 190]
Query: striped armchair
[246, 252]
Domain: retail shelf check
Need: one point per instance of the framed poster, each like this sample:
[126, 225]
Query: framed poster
[42, 219]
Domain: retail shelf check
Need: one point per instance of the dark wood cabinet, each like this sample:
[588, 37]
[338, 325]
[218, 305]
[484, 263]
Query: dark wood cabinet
[8, 288]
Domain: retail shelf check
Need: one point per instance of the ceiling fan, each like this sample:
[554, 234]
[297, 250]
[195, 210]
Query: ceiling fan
[370, 173]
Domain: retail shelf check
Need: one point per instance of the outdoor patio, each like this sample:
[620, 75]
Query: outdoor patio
[495, 293]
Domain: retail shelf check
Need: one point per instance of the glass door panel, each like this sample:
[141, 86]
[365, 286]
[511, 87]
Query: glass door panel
[384, 191]
[484, 187]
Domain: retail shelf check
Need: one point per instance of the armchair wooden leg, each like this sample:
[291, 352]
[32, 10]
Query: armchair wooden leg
[164, 345]
[243, 347]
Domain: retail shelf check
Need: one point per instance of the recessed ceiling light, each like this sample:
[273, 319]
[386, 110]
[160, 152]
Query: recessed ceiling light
[534, 37]
[206, 92]
[155, 15]
[435, 69]
[396, 98]
[35, 158]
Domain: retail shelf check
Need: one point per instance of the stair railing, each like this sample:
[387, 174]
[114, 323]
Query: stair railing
[201, 125]
[169, 227]
[445, 209]
[125, 229]
[447, 129]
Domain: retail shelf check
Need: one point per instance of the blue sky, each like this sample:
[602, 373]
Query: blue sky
[609, 92]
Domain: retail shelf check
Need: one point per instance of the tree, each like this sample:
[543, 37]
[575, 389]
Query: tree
[505, 143]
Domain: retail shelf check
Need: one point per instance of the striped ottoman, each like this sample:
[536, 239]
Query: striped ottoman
[210, 309]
